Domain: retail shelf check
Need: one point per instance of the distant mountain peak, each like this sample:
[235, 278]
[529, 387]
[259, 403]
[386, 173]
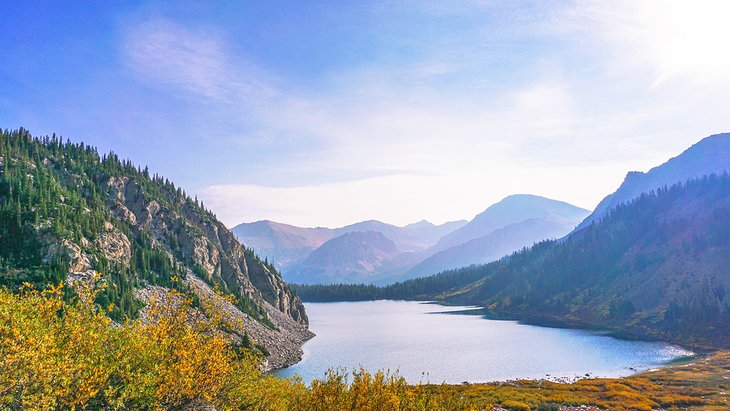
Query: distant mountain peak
[511, 210]
[420, 224]
[357, 253]
[709, 155]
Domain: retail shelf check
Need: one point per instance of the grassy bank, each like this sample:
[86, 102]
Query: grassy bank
[699, 385]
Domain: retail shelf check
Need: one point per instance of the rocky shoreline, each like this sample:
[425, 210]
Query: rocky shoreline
[284, 343]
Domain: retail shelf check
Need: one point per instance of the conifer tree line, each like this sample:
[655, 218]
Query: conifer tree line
[656, 265]
[52, 189]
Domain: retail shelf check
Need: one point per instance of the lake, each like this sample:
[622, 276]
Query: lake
[431, 343]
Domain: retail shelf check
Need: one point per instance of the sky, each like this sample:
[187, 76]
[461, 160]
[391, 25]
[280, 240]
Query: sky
[327, 113]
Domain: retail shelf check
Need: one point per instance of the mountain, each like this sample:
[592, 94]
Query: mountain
[430, 233]
[515, 222]
[66, 213]
[512, 210]
[282, 244]
[653, 267]
[493, 246]
[710, 155]
[422, 248]
[352, 257]
[412, 237]
[287, 246]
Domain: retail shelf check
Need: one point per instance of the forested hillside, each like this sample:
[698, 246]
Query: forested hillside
[711, 155]
[67, 212]
[656, 266]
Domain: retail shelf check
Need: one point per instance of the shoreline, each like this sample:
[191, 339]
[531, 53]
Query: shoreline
[549, 321]
[671, 354]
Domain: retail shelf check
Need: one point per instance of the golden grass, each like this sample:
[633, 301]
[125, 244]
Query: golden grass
[56, 354]
[700, 385]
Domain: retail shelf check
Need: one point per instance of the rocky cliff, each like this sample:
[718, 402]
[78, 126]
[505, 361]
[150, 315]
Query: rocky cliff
[66, 212]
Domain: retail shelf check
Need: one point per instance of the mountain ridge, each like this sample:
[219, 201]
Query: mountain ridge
[655, 268]
[512, 209]
[709, 155]
[419, 242]
[66, 213]
[358, 253]
[286, 245]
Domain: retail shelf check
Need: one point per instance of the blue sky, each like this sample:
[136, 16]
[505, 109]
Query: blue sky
[326, 113]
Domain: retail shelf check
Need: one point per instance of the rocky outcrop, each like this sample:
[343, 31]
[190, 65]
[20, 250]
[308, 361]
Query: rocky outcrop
[283, 343]
[99, 218]
[211, 255]
[114, 245]
[71, 253]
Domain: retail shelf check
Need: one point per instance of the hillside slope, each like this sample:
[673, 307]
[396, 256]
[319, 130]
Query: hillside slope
[66, 212]
[493, 246]
[710, 155]
[655, 266]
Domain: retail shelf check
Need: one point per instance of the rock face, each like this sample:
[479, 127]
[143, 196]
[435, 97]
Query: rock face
[211, 246]
[283, 344]
[83, 214]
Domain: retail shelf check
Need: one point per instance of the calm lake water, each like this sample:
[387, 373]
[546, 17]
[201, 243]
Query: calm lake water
[418, 338]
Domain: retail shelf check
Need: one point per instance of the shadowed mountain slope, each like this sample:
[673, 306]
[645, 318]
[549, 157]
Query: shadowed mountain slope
[710, 155]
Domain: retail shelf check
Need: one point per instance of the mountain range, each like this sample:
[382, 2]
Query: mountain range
[517, 221]
[321, 255]
[654, 265]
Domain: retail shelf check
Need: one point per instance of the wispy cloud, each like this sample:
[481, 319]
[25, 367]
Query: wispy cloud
[555, 100]
[191, 60]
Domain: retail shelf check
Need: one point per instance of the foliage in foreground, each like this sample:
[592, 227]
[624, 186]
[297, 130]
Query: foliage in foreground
[56, 354]
[60, 354]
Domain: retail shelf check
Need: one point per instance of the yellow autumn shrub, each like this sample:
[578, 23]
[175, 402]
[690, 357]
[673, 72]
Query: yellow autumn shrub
[380, 391]
[516, 405]
[52, 354]
[58, 354]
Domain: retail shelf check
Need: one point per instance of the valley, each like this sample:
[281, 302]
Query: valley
[146, 240]
[365, 205]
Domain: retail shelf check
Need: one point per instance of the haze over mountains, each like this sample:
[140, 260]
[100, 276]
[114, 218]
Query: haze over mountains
[650, 261]
[321, 255]
[360, 254]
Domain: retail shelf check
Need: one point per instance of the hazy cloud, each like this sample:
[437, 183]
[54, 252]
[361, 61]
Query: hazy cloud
[481, 112]
[192, 60]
